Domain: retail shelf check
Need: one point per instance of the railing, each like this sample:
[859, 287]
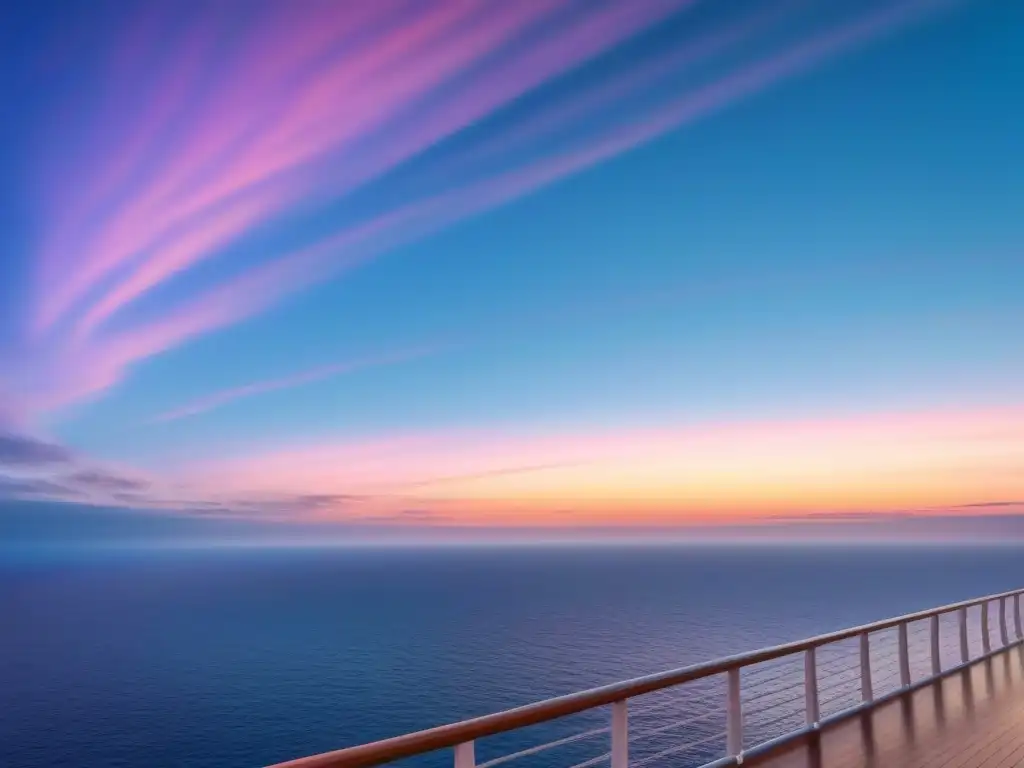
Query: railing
[763, 698]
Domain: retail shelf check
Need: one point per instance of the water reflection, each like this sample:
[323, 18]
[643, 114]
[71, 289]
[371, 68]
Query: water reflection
[867, 735]
[939, 702]
[908, 720]
[990, 679]
[955, 722]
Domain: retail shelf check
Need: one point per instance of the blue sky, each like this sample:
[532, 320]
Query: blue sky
[691, 216]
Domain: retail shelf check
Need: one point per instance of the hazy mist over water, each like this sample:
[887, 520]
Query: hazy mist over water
[245, 657]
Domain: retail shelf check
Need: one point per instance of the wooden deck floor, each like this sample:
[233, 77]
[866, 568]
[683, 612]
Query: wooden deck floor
[972, 719]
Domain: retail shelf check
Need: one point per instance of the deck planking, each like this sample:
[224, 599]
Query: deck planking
[973, 718]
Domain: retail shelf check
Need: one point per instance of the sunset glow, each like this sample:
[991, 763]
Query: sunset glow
[540, 264]
[918, 463]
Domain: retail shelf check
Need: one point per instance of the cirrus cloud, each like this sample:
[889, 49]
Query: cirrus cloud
[212, 152]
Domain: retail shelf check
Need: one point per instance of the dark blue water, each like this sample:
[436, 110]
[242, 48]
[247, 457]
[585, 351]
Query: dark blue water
[241, 658]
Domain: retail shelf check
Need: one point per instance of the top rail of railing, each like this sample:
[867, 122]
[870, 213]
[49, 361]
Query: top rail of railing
[455, 734]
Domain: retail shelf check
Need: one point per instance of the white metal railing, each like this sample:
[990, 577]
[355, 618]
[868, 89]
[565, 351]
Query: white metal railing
[718, 712]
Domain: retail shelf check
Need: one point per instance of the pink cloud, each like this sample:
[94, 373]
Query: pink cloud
[330, 110]
[82, 217]
[314, 105]
[179, 252]
[265, 285]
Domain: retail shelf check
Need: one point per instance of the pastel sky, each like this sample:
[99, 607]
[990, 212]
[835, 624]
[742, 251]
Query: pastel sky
[554, 264]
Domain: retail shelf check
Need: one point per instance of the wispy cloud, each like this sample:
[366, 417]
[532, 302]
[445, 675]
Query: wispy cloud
[992, 505]
[296, 96]
[486, 474]
[18, 487]
[195, 156]
[320, 373]
[25, 451]
[59, 474]
[93, 479]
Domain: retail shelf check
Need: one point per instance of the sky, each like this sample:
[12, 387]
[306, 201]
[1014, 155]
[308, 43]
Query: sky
[545, 265]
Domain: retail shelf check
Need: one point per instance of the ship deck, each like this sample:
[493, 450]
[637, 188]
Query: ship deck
[970, 719]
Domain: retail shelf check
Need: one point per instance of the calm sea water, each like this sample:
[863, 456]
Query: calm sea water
[240, 658]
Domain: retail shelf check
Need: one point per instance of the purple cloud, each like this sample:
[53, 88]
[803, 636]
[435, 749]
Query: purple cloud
[14, 487]
[23, 451]
[91, 479]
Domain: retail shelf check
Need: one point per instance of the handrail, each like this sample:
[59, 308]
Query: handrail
[453, 734]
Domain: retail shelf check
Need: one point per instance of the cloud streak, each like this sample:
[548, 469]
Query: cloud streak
[266, 285]
[23, 451]
[233, 165]
[236, 149]
[320, 373]
[56, 473]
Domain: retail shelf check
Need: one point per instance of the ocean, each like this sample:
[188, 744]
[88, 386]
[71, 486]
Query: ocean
[242, 657]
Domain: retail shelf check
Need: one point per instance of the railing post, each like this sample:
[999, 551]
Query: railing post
[965, 649]
[904, 655]
[811, 688]
[734, 715]
[620, 734]
[1016, 615]
[936, 656]
[465, 755]
[986, 642]
[1003, 634]
[865, 668]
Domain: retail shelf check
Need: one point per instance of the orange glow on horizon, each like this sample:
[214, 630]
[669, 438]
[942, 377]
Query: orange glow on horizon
[696, 474]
